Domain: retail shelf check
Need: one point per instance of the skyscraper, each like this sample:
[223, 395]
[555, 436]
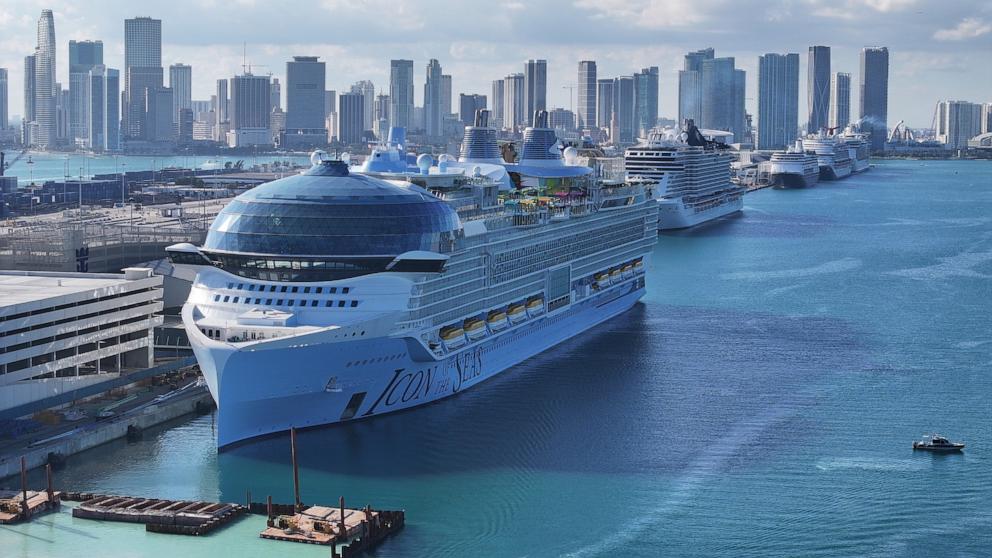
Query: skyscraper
[366, 89]
[45, 94]
[433, 100]
[401, 93]
[83, 56]
[587, 94]
[645, 100]
[818, 88]
[181, 83]
[103, 111]
[221, 124]
[874, 102]
[467, 107]
[624, 109]
[604, 102]
[306, 112]
[778, 100]
[958, 122]
[158, 121]
[142, 70]
[4, 100]
[498, 100]
[691, 86]
[722, 99]
[535, 88]
[275, 93]
[840, 100]
[250, 111]
[446, 99]
[351, 117]
[380, 124]
[513, 101]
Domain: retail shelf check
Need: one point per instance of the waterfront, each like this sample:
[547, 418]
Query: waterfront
[761, 401]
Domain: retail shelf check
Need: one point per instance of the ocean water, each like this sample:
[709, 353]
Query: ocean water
[760, 401]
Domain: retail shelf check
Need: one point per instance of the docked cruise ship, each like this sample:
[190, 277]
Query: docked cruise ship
[334, 295]
[832, 156]
[858, 148]
[793, 168]
[694, 181]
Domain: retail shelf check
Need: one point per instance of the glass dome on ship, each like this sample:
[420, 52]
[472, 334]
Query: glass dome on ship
[327, 224]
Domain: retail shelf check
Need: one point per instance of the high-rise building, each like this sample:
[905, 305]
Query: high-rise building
[840, 100]
[587, 94]
[604, 102]
[498, 101]
[645, 100]
[351, 117]
[29, 98]
[778, 100]
[83, 56]
[221, 119]
[275, 93]
[513, 101]
[433, 100]
[401, 93]
[741, 128]
[4, 100]
[306, 110]
[561, 119]
[818, 88]
[623, 110]
[103, 111]
[62, 128]
[446, 94]
[250, 111]
[535, 88]
[142, 71]
[874, 101]
[958, 122]
[468, 105]
[331, 105]
[722, 102]
[181, 83]
[45, 134]
[158, 120]
[986, 118]
[366, 89]
[380, 124]
[691, 86]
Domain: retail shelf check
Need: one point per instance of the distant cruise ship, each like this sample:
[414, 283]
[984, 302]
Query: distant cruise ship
[694, 181]
[832, 155]
[793, 168]
[334, 295]
[857, 148]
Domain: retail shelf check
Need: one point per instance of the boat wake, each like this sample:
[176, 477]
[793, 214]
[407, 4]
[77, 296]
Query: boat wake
[869, 464]
[835, 266]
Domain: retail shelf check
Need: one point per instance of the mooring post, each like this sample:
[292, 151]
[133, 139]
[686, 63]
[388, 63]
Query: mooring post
[344, 532]
[298, 507]
[24, 487]
[368, 521]
[268, 506]
[248, 499]
[48, 476]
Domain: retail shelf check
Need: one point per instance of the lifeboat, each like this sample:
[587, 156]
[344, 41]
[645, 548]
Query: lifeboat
[639, 265]
[452, 336]
[627, 271]
[496, 320]
[475, 329]
[535, 306]
[602, 280]
[615, 275]
[516, 313]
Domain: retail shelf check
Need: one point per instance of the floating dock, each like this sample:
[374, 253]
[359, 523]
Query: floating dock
[353, 530]
[181, 517]
[22, 505]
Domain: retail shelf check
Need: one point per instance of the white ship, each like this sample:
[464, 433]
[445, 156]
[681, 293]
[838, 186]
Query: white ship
[858, 148]
[793, 168]
[832, 156]
[694, 181]
[332, 296]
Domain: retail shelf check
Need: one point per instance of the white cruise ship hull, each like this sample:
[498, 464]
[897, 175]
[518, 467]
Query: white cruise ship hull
[271, 387]
[795, 179]
[835, 171]
[674, 214]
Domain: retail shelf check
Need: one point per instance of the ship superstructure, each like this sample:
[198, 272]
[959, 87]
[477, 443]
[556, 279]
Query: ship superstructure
[832, 155]
[858, 148]
[694, 181]
[793, 168]
[332, 295]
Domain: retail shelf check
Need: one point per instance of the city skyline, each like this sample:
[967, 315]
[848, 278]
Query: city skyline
[625, 35]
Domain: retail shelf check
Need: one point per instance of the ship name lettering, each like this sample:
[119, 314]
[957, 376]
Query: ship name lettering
[404, 388]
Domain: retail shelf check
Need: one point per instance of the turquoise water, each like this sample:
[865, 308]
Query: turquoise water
[760, 402]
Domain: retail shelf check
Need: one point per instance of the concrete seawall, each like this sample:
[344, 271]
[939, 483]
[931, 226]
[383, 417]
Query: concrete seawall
[101, 433]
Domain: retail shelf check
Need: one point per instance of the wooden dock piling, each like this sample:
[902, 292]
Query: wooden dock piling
[296, 472]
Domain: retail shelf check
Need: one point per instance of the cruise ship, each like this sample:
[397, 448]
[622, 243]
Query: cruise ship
[334, 295]
[793, 168]
[693, 176]
[832, 156]
[858, 148]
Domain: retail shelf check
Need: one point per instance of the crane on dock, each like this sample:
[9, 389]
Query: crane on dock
[4, 166]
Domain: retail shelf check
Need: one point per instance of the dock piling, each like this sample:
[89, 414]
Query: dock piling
[48, 476]
[268, 506]
[24, 487]
[298, 506]
[344, 531]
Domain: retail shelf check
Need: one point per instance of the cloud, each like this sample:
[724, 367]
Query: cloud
[652, 14]
[969, 28]
[854, 9]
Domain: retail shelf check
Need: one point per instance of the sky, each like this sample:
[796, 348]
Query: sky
[938, 49]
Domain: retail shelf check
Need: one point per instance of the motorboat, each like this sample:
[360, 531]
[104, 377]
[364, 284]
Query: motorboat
[937, 443]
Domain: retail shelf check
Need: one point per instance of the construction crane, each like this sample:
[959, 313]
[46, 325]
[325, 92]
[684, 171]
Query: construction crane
[4, 166]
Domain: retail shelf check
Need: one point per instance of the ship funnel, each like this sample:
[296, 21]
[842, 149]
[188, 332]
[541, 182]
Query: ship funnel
[482, 118]
[540, 119]
[397, 135]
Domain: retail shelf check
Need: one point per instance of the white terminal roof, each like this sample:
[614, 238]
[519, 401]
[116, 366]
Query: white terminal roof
[21, 287]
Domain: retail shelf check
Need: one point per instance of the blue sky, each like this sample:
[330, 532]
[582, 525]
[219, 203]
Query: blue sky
[938, 49]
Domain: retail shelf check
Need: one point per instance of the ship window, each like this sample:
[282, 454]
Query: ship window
[353, 404]
[296, 289]
[226, 298]
[332, 290]
[272, 288]
[251, 287]
[230, 285]
[268, 302]
[279, 302]
[289, 302]
[329, 303]
[354, 303]
[320, 290]
[344, 290]
[341, 304]
[241, 286]
[282, 289]
[313, 303]
[217, 298]
[305, 290]
[235, 300]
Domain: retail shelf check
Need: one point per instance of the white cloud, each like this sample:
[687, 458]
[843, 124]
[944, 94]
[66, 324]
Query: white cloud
[854, 9]
[969, 28]
[652, 14]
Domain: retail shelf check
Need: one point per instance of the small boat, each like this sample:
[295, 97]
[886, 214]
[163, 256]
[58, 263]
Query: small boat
[535, 306]
[627, 271]
[639, 265]
[602, 280]
[517, 313]
[475, 328]
[453, 336]
[937, 443]
[496, 320]
[615, 275]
